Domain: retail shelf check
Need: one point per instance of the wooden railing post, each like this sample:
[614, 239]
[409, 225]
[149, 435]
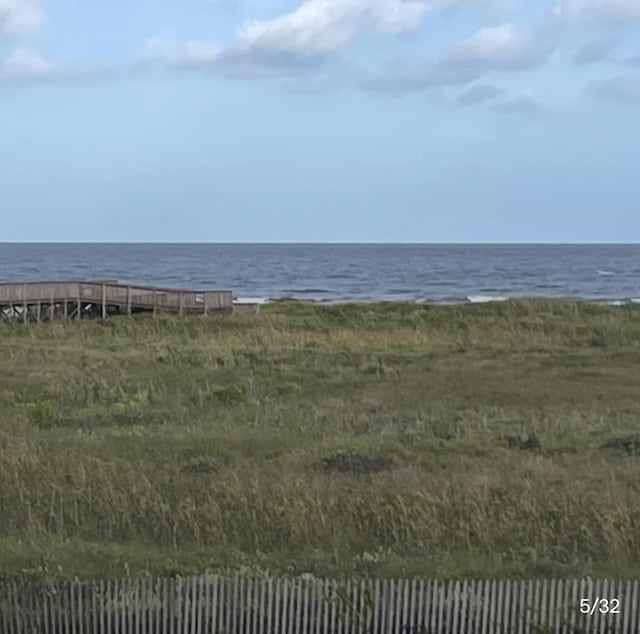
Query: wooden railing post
[180, 304]
[104, 301]
[25, 305]
[129, 301]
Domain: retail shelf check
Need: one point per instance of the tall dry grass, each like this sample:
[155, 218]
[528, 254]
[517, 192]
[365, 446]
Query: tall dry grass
[209, 435]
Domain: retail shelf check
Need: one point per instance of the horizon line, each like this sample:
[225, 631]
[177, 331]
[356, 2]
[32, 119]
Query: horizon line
[319, 243]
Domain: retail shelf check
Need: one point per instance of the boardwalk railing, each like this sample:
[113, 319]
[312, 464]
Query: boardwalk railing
[47, 300]
[307, 605]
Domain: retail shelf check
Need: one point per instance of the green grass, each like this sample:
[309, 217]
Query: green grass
[359, 439]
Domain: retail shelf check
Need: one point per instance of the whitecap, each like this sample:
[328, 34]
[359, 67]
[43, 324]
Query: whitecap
[483, 299]
[250, 300]
[606, 273]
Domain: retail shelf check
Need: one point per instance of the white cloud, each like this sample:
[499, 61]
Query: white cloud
[600, 10]
[200, 52]
[293, 43]
[301, 41]
[323, 26]
[24, 64]
[504, 48]
[18, 16]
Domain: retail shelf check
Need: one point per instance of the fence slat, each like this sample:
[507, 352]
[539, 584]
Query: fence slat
[519, 609]
[4, 609]
[149, 601]
[316, 601]
[108, 603]
[510, 600]
[26, 599]
[305, 608]
[364, 604]
[78, 591]
[217, 604]
[413, 616]
[174, 606]
[290, 606]
[615, 621]
[207, 606]
[635, 607]
[136, 608]
[404, 604]
[518, 596]
[421, 625]
[564, 601]
[45, 609]
[438, 606]
[31, 609]
[65, 607]
[594, 620]
[244, 601]
[257, 596]
[392, 611]
[86, 594]
[195, 608]
[625, 607]
[603, 593]
[131, 602]
[322, 623]
[465, 602]
[553, 608]
[12, 600]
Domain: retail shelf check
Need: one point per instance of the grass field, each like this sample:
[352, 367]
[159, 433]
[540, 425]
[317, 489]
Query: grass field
[366, 439]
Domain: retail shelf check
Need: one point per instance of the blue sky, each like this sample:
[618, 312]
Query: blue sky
[322, 120]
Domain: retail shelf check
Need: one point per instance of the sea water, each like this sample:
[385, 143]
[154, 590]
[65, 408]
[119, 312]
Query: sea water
[340, 272]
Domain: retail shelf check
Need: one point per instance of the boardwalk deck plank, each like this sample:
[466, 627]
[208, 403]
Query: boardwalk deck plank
[39, 301]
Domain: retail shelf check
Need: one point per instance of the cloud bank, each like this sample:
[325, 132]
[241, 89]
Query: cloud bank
[19, 16]
[297, 40]
[304, 47]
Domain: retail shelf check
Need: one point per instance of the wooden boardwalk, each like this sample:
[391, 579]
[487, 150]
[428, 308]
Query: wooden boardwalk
[77, 299]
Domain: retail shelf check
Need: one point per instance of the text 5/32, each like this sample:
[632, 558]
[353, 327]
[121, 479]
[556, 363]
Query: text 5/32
[603, 606]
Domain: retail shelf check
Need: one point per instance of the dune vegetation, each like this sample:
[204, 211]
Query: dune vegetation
[385, 439]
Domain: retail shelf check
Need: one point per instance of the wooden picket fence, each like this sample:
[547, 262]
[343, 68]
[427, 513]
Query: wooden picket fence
[308, 605]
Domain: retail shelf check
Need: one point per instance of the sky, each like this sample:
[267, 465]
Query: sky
[320, 121]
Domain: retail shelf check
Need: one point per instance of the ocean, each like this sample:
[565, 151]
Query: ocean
[342, 272]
